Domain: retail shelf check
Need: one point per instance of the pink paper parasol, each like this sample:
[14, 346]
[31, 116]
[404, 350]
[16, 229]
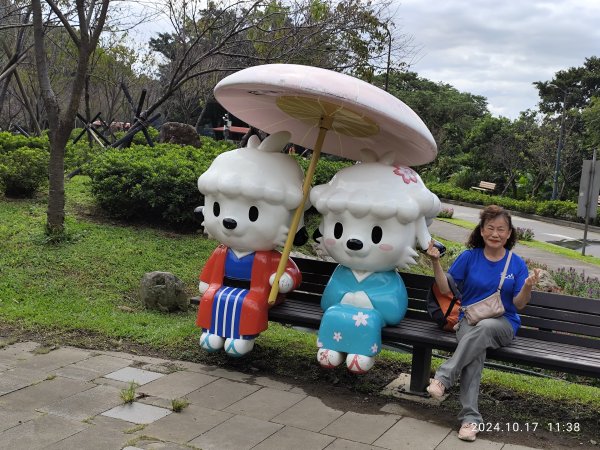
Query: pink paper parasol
[328, 111]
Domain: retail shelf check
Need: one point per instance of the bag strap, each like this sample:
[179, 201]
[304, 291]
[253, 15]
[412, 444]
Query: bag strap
[505, 270]
[456, 295]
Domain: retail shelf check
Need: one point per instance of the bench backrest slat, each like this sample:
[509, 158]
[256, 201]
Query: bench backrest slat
[565, 318]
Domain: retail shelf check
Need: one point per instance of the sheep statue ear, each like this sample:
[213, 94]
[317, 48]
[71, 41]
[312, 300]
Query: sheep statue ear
[367, 155]
[275, 142]
[253, 141]
[387, 158]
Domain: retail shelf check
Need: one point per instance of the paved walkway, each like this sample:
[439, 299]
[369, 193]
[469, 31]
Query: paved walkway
[69, 398]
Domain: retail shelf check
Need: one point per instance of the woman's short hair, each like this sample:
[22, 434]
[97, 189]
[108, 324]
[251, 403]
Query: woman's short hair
[488, 213]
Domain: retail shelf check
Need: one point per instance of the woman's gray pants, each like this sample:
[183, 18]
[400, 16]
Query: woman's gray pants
[467, 361]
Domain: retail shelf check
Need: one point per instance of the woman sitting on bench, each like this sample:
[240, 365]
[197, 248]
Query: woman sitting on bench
[486, 267]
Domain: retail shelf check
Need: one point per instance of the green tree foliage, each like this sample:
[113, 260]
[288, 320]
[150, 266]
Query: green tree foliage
[211, 40]
[447, 112]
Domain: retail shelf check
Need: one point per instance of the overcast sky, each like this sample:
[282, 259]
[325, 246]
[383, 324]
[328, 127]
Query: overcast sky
[498, 48]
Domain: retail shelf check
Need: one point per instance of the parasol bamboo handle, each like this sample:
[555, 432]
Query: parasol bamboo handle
[324, 126]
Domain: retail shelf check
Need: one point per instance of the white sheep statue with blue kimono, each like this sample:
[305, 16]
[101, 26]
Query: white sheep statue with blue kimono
[374, 214]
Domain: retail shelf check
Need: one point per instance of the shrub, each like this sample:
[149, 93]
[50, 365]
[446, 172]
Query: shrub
[10, 142]
[446, 213]
[325, 169]
[573, 283]
[525, 234]
[23, 171]
[154, 184]
[557, 208]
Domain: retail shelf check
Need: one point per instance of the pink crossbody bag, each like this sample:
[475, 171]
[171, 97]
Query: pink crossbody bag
[490, 306]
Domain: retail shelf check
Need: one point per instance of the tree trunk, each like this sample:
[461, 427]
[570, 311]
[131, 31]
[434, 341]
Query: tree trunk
[56, 193]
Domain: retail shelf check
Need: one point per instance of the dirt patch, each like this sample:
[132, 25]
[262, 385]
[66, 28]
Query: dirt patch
[510, 417]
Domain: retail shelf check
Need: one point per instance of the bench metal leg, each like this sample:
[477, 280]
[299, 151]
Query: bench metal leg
[421, 369]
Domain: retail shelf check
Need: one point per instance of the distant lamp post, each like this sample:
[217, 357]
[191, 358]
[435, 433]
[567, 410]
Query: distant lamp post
[561, 137]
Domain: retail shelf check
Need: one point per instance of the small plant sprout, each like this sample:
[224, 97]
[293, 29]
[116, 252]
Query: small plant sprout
[128, 395]
[178, 404]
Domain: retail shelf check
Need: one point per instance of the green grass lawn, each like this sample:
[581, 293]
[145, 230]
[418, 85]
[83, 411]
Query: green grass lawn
[83, 284]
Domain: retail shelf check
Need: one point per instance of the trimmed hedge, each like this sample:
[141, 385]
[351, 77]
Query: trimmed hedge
[152, 184]
[23, 171]
[559, 209]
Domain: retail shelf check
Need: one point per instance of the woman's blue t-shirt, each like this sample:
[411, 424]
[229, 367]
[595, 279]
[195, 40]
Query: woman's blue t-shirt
[477, 278]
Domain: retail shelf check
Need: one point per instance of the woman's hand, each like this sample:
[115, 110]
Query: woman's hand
[533, 278]
[432, 252]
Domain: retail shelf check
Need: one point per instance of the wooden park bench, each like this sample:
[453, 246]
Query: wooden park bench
[485, 186]
[559, 332]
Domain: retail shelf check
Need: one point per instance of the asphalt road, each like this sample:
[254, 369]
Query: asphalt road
[542, 232]
[564, 236]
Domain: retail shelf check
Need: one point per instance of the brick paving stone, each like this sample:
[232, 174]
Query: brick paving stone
[190, 423]
[10, 419]
[452, 442]
[309, 414]
[220, 394]
[365, 428]
[229, 374]
[273, 384]
[41, 394]
[86, 404]
[343, 444]
[103, 364]
[413, 433]
[136, 412]
[77, 373]
[55, 359]
[94, 437]
[177, 384]
[134, 375]
[39, 433]
[193, 367]
[265, 403]
[20, 351]
[295, 438]
[237, 433]
[18, 378]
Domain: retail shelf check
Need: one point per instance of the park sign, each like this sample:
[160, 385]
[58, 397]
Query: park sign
[589, 187]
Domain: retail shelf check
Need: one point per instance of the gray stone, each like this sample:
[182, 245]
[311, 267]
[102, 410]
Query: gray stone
[237, 433]
[179, 133]
[413, 433]
[290, 437]
[102, 364]
[265, 403]
[86, 404]
[164, 292]
[137, 413]
[54, 359]
[191, 422]
[220, 394]
[310, 414]
[365, 428]
[546, 283]
[134, 375]
[39, 433]
[452, 442]
[176, 385]
[344, 444]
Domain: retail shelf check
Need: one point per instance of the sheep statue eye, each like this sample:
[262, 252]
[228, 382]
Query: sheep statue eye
[216, 209]
[253, 214]
[338, 230]
[376, 234]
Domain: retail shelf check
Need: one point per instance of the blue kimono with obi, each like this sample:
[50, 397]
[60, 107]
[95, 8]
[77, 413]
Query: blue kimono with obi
[348, 328]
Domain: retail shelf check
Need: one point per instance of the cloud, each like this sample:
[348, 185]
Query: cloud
[499, 48]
